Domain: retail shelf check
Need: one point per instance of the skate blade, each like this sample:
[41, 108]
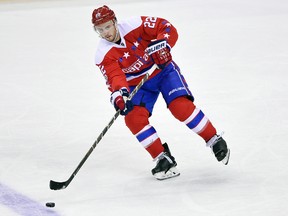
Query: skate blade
[172, 172]
[226, 159]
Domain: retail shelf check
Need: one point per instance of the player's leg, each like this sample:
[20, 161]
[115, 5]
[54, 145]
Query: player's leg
[185, 111]
[138, 123]
[180, 102]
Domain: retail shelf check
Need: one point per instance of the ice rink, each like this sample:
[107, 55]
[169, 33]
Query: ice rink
[54, 103]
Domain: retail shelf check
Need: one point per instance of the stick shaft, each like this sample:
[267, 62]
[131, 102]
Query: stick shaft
[61, 185]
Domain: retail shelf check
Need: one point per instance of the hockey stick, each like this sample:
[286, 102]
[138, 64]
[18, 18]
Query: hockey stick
[62, 185]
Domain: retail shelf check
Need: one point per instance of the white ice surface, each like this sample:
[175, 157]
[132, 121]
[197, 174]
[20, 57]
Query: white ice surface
[54, 104]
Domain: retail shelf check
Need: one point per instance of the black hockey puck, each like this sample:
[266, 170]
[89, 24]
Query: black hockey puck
[50, 204]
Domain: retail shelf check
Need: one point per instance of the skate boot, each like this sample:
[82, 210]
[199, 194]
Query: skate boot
[166, 165]
[219, 148]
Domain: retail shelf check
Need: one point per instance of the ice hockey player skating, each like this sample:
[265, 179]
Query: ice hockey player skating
[126, 52]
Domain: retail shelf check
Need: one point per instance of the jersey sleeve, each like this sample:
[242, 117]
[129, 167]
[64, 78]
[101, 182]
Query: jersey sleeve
[156, 28]
[114, 76]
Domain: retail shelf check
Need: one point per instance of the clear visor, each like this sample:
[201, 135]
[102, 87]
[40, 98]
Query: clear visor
[105, 27]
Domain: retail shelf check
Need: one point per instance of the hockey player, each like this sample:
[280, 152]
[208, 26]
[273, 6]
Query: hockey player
[127, 50]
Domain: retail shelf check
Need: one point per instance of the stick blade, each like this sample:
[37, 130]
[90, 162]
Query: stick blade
[57, 185]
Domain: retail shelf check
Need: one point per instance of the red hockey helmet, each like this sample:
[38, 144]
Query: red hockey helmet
[102, 14]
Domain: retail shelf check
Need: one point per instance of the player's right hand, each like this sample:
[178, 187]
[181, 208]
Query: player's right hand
[120, 101]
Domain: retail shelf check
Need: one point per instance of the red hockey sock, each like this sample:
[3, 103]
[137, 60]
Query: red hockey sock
[155, 148]
[137, 119]
[138, 123]
[185, 111]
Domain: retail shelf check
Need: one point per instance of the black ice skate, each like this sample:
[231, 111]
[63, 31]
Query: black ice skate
[219, 148]
[166, 165]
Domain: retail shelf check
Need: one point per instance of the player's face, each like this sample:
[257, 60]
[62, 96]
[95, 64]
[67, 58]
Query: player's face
[107, 30]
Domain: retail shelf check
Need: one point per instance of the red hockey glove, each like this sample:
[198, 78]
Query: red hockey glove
[160, 53]
[119, 100]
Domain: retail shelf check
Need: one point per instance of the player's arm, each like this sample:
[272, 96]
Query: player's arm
[163, 35]
[117, 84]
[155, 28]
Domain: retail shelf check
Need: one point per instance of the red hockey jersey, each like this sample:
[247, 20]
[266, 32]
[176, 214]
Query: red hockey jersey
[126, 63]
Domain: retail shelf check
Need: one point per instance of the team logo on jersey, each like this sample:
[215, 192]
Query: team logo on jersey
[137, 65]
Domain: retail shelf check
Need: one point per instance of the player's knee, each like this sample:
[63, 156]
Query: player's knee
[181, 108]
[137, 119]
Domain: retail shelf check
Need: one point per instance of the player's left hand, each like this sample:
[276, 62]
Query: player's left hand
[159, 50]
